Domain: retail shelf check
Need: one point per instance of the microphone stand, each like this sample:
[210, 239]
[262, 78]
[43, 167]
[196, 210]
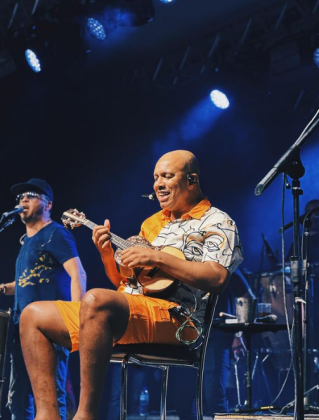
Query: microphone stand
[9, 222]
[291, 164]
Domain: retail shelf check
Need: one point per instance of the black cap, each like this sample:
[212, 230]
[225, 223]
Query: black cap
[34, 184]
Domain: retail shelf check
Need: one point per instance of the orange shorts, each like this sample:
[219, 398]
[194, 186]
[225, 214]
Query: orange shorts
[150, 321]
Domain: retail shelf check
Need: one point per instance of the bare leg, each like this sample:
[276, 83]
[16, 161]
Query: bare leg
[104, 317]
[40, 325]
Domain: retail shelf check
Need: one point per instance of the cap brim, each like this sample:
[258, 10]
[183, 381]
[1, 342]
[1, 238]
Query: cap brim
[24, 187]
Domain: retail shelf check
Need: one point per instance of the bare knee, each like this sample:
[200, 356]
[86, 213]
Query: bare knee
[29, 317]
[45, 318]
[97, 300]
[103, 302]
[107, 309]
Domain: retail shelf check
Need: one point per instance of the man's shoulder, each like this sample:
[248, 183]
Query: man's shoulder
[59, 230]
[152, 226]
[154, 218]
[216, 213]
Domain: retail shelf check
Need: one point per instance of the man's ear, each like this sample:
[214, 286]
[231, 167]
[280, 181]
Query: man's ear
[192, 178]
[48, 205]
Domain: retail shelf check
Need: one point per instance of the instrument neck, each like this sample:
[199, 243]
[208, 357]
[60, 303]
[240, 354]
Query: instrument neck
[116, 240]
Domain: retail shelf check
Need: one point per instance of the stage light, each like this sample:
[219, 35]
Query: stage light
[219, 99]
[316, 57]
[167, 1]
[33, 60]
[96, 29]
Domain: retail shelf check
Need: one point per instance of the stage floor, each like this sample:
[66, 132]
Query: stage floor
[251, 416]
[233, 416]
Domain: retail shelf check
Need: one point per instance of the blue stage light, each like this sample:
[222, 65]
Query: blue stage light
[219, 99]
[33, 60]
[167, 1]
[96, 29]
[316, 57]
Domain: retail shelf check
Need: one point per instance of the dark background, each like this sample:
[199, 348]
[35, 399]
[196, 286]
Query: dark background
[99, 115]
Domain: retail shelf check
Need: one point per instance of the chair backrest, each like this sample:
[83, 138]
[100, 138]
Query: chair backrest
[208, 321]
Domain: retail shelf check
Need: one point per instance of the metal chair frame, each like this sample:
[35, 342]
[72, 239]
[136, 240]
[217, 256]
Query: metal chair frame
[163, 356]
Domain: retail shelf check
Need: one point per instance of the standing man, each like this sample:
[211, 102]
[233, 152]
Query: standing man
[206, 236]
[47, 268]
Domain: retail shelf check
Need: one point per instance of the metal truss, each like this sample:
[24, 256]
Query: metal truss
[21, 13]
[257, 34]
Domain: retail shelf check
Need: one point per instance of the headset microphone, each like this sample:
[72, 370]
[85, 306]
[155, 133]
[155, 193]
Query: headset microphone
[149, 196]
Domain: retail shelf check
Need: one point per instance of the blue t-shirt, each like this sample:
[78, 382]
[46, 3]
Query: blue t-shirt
[39, 267]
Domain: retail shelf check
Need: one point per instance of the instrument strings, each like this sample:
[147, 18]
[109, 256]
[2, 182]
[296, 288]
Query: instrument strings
[119, 242]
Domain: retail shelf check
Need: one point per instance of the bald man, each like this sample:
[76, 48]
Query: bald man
[208, 239]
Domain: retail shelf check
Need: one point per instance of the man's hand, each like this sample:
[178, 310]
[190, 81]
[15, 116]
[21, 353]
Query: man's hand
[7, 288]
[239, 348]
[139, 257]
[3, 289]
[101, 239]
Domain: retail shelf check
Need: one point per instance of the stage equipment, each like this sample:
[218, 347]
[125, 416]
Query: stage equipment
[151, 196]
[219, 99]
[310, 270]
[270, 254]
[4, 329]
[33, 60]
[290, 164]
[245, 309]
[96, 29]
[272, 292]
[309, 318]
[301, 220]
[248, 330]
[9, 217]
[14, 212]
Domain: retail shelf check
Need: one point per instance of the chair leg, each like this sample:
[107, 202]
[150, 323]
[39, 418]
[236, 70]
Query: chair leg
[199, 394]
[164, 392]
[123, 406]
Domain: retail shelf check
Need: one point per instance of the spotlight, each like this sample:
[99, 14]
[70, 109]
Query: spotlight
[33, 60]
[96, 29]
[167, 1]
[316, 57]
[219, 99]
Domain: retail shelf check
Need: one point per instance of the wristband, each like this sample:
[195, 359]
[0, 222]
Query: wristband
[3, 289]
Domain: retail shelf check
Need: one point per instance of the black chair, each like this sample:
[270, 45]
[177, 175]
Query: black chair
[163, 356]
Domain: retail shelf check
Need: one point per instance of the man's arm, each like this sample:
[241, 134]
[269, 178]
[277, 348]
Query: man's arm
[8, 288]
[101, 239]
[208, 276]
[76, 271]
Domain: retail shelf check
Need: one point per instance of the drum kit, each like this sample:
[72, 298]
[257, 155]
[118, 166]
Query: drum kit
[275, 289]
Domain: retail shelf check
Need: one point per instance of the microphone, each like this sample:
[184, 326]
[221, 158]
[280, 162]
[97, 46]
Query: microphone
[268, 319]
[14, 212]
[149, 196]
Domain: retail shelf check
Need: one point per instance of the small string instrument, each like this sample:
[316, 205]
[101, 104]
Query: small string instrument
[152, 279]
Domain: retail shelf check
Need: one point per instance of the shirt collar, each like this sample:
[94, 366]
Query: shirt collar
[195, 213]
